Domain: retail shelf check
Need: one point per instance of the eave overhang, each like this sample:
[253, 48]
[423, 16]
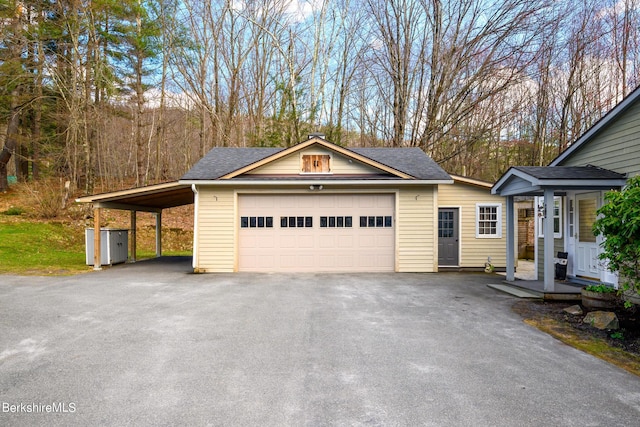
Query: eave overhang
[308, 182]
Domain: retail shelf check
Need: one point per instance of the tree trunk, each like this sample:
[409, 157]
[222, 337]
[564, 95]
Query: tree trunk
[11, 142]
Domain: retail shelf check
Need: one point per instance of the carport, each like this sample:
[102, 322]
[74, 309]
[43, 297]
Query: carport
[152, 198]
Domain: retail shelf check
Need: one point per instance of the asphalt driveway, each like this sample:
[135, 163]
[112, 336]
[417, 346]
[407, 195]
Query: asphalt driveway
[151, 344]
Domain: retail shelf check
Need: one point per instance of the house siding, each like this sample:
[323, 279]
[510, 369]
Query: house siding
[616, 148]
[215, 228]
[416, 246]
[474, 251]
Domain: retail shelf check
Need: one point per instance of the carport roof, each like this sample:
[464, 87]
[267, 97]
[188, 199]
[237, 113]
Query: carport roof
[152, 198]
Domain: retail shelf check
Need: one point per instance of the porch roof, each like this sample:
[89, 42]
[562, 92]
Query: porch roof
[533, 180]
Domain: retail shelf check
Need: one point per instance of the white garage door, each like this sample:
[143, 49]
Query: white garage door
[316, 233]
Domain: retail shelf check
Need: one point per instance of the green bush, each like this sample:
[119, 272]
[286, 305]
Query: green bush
[14, 210]
[619, 223]
[601, 288]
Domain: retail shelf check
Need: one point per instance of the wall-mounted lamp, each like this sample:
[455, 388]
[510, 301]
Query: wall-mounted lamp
[315, 187]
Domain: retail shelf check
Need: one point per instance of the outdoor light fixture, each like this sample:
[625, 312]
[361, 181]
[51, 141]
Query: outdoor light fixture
[315, 187]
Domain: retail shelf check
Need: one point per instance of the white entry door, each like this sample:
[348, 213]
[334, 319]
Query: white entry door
[587, 248]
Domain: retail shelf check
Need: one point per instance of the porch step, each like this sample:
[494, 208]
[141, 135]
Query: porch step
[518, 292]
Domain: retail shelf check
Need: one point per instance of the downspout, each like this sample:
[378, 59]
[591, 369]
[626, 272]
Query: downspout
[194, 261]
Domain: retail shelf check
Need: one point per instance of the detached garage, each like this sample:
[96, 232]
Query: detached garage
[315, 207]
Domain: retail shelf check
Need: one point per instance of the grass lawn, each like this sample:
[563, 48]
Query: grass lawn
[41, 248]
[57, 248]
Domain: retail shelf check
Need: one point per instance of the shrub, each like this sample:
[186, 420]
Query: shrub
[48, 196]
[14, 210]
[619, 223]
[601, 288]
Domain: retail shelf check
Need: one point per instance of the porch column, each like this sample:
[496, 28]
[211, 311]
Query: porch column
[96, 239]
[511, 264]
[159, 234]
[133, 236]
[549, 270]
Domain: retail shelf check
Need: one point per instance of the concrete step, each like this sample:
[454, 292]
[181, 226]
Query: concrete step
[517, 292]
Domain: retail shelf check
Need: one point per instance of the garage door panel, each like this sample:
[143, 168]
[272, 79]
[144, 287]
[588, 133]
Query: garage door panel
[305, 242]
[366, 202]
[345, 241]
[325, 241]
[327, 201]
[346, 202]
[332, 247]
[286, 242]
[366, 241]
[382, 241]
[263, 241]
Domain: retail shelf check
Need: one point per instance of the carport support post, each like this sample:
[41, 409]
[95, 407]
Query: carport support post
[511, 264]
[159, 234]
[96, 239]
[549, 279]
[133, 236]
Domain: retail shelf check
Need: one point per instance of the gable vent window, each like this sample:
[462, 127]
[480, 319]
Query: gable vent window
[316, 163]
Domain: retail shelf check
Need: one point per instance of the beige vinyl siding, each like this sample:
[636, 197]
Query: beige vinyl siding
[291, 164]
[616, 148]
[474, 251]
[215, 222]
[416, 244]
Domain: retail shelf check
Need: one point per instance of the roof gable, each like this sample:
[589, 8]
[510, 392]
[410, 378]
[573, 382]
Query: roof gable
[292, 164]
[319, 142]
[224, 163]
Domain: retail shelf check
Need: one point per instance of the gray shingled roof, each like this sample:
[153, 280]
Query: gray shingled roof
[412, 161]
[569, 172]
[221, 161]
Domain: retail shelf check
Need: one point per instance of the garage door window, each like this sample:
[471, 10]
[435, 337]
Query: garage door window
[376, 221]
[256, 222]
[336, 221]
[296, 222]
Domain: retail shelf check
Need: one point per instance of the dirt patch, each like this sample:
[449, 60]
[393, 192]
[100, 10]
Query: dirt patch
[620, 347]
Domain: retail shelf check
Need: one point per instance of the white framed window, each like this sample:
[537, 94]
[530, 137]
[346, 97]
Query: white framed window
[557, 216]
[488, 220]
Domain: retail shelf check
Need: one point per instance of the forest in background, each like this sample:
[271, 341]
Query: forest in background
[105, 93]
